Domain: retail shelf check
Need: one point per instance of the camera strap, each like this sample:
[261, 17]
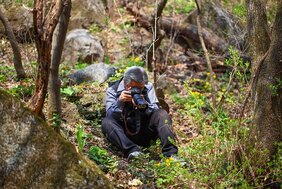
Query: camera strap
[137, 119]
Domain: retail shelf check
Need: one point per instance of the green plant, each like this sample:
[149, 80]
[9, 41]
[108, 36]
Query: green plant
[213, 155]
[55, 120]
[22, 90]
[80, 65]
[6, 72]
[180, 6]
[81, 137]
[276, 87]
[171, 173]
[240, 68]
[125, 26]
[102, 158]
[95, 28]
[2, 78]
[240, 10]
[68, 91]
[276, 165]
[29, 3]
[123, 65]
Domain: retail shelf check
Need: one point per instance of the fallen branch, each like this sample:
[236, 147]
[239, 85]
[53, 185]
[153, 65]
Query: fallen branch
[187, 32]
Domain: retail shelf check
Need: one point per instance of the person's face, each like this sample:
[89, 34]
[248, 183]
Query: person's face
[132, 84]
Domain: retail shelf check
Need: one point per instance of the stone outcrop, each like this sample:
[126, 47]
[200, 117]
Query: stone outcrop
[96, 73]
[221, 22]
[86, 12]
[81, 46]
[21, 21]
[33, 155]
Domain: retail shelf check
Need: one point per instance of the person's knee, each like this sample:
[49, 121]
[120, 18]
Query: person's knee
[106, 124]
[162, 114]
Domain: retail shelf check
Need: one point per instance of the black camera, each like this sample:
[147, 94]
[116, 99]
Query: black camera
[138, 99]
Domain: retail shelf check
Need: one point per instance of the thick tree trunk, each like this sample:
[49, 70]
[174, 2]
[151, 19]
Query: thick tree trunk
[44, 27]
[16, 50]
[54, 96]
[258, 33]
[268, 95]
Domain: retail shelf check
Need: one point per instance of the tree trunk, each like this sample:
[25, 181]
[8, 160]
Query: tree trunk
[54, 96]
[44, 27]
[258, 33]
[17, 54]
[268, 95]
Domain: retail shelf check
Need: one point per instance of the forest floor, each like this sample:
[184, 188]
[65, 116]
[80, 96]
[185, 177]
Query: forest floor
[151, 170]
[210, 139]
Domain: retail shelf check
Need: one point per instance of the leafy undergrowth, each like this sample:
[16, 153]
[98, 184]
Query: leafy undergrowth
[214, 142]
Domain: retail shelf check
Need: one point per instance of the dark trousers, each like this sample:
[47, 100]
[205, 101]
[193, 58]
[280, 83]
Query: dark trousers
[158, 125]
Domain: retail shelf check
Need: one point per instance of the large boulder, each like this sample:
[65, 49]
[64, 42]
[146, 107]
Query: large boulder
[81, 46]
[221, 22]
[21, 20]
[33, 155]
[92, 104]
[96, 72]
[86, 12]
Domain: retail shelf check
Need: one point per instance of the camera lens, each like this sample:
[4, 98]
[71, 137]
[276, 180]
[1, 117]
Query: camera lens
[138, 99]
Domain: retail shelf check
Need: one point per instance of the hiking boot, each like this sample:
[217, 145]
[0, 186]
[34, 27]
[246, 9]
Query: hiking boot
[178, 159]
[134, 155]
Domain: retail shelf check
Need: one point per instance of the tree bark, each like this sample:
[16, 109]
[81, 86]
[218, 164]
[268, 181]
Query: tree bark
[257, 28]
[54, 95]
[16, 50]
[268, 95]
[44, 26]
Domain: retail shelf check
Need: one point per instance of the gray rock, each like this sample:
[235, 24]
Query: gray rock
[221, 22]
[80, 45]
[21, 21]
[86, 12]
[34, 156]
[96, 72]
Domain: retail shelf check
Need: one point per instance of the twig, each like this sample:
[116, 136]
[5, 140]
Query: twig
[227, 88]
[249, 166]
[158, 34]
[213, 89]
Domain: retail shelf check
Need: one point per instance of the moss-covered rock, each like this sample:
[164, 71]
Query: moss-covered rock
[32, 155]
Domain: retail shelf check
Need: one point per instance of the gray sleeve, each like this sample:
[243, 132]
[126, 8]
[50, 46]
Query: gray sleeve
[153, 103]
[112, 102]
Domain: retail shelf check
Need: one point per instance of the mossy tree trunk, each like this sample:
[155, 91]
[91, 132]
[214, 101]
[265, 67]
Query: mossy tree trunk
[45, 20]
[268, 87]
[54, 96]
[268, 94]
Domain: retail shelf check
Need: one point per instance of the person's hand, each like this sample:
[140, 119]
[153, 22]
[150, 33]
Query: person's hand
[125, 96]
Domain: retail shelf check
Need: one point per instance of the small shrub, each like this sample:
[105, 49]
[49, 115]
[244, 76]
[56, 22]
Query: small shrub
[81, 137]
[102, 158]
[180, 6]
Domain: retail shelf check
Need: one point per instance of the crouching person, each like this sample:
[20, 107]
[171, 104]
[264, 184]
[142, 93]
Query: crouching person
[133, 117]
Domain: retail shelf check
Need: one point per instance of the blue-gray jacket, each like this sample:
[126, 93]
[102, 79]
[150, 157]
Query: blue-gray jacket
[113, 105]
